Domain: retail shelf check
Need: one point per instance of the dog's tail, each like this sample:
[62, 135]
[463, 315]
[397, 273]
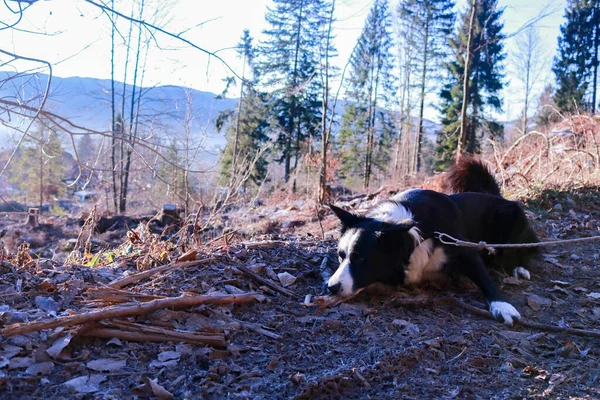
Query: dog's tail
[469, 174]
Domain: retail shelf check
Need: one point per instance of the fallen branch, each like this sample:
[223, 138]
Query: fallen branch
[120, 283]
[128, 311]
[267, 282]
[166, 336]
[215, 339]
[274, 243]
[456, 302]
[107, 294]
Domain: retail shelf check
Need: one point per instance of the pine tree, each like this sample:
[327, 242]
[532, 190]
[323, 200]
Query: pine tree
[429, 22]
[545, 113]
[480, 59]
[576, 65]
[39, 165]
[289, 66]
[367, 127]
[247, 131]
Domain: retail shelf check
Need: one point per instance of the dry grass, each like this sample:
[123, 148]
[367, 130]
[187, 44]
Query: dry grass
[566, 155]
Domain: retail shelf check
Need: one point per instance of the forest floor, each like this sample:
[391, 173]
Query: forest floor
[275, 343]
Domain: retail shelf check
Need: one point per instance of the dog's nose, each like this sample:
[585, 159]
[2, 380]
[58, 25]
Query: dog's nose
[335, 289]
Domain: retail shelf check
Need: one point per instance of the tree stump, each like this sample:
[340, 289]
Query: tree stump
[169, 215]
[32, 217]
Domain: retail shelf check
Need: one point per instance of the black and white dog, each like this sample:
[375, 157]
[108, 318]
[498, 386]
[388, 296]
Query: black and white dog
[393, 242]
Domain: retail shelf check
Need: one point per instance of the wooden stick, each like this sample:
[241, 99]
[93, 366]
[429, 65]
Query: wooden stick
[267, 282]
[167, 336]
[128, 311]
[120, 283]
[274, 243]
[456, 302]
[107, 294]
[216, 338]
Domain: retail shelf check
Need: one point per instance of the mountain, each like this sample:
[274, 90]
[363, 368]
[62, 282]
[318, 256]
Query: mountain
[86, 102]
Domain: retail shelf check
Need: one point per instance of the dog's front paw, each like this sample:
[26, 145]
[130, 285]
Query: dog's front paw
[521, 272]
[504, 312]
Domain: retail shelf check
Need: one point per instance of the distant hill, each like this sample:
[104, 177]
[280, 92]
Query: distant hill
[86, 102]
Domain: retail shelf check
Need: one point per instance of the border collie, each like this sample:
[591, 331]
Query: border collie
[393, 242]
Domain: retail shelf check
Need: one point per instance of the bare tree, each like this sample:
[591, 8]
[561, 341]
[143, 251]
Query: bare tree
[529, 63]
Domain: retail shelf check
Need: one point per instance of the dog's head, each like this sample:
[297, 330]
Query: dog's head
[373, 248]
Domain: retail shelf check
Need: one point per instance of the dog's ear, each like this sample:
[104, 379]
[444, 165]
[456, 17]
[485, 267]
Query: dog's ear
[374, 225]
[348, 219]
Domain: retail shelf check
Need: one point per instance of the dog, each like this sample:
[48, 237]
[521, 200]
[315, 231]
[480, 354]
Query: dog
[394, 241]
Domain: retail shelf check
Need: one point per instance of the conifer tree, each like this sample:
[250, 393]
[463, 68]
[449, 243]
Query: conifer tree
[576, 64]
[247, 126]
[478, 65]
[367, 127]
[289, 67]
[429, 22]
[39, 164]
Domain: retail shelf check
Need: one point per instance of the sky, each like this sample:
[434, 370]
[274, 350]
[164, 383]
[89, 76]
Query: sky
[75, 38]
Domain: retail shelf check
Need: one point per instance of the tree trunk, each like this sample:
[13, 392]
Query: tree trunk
[237, 129]
[595, 61]
[113, 105]
[323, 191]
[293, 111]
[41, 176]
[462, 140]
[422, 100]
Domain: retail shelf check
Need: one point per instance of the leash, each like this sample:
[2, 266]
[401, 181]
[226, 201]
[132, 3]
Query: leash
[491, 248]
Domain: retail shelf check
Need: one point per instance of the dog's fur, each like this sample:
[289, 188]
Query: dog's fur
[394, 242]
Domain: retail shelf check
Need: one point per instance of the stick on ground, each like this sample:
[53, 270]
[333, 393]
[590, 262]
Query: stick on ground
[121, 283]
[128, 311]
[456, 302]
[267, 282]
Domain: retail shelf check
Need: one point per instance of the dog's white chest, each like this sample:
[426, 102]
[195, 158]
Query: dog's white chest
[425, 263]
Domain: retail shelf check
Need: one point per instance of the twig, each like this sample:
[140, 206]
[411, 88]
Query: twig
[273, 243]
[360, 377]
[120, 283]
[107, 294]
[215, 340]
[265, 244]
[128, 311]
[267, 282]
[222, 236]
[320, 222]
[331, 301]
[456, 302]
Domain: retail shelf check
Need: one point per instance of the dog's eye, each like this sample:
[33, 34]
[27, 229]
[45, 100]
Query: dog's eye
[342, 254]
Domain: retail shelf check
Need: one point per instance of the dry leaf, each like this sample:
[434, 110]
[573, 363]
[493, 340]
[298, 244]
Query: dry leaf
[86, 384]
[286, 279]
[106, 365]
[40, 369]
[59, 345]
[159, 391]
[169, 355]
[21, 362]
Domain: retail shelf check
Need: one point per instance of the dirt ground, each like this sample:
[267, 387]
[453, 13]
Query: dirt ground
[279, 347]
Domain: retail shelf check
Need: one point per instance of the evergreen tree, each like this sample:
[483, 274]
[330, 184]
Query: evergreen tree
[247, 130]
[576, 65]
[545, 113]
[289, 66]
[39, 168]
[429, 22]
[479, 54]
[367, 127]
